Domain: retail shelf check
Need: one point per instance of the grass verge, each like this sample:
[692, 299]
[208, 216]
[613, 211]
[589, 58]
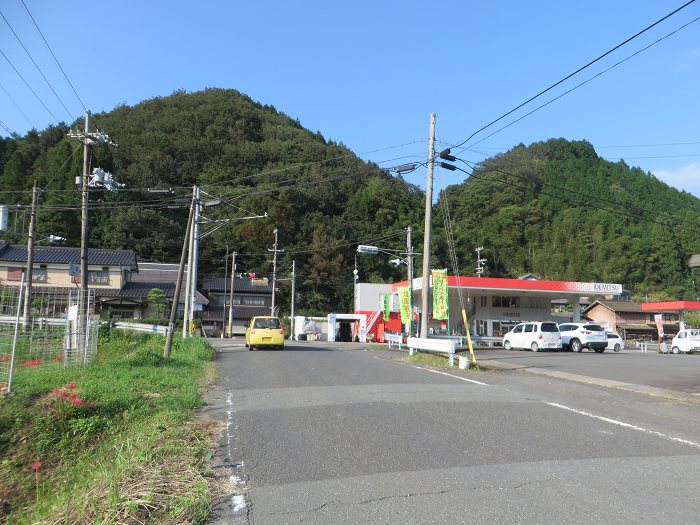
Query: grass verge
[112, 442]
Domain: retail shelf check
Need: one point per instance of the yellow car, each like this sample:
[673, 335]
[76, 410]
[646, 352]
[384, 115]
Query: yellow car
[264, 332]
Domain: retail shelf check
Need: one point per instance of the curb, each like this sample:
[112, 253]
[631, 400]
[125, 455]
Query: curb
[609, 383]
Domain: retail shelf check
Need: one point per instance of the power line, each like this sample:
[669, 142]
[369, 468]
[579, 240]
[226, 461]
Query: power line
[35, 64]
[29, 87]
[54, 56]
[575, 72]
[581, 84]
[17, 106]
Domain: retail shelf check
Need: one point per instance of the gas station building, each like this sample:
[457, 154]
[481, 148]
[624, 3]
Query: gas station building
[493, 305]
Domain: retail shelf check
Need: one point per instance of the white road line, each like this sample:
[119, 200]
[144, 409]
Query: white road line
[441, 373]
[627, 425]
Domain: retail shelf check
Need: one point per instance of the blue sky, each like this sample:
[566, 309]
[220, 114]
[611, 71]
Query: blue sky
[368, 74]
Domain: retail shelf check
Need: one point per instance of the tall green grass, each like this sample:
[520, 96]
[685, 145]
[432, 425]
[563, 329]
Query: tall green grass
[112, 442]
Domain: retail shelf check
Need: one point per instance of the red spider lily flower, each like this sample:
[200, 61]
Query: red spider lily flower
[37, 465]
[76, 401]
[72, 385]
[58, 358]
[57, 390]
[33, 363]
[6, 357]
[71, 395]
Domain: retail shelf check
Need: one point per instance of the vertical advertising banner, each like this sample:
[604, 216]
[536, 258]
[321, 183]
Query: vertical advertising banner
[440, 305]
[659, 320]
[386, 306]
[405, 304]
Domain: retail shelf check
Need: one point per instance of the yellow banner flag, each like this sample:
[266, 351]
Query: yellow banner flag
[405, 304]
[440, 303]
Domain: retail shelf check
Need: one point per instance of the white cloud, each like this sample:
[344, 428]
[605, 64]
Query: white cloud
[686, 178]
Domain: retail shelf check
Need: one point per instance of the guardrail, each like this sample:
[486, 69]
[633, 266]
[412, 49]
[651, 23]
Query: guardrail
[443, 346]
[393, 339]
[482, 340]
[141, 327]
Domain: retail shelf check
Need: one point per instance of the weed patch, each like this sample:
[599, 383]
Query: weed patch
[112, 442]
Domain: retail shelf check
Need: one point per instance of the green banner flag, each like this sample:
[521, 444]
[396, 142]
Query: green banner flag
[405, 304]
[386, 305]
[440, 304]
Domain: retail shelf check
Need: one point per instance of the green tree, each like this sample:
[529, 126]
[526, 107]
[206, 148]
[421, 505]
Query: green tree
[157, 296]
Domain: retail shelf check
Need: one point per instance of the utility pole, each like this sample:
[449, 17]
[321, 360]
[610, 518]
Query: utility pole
[274, 271]
[479, 262]
[409, 263]
[191, 287]
[223, 314]
[425, 292]
[195, 256]
[293, 296]
[178, 285]
[30, 258]
[88, 139]
[230, 300]
[83, 315]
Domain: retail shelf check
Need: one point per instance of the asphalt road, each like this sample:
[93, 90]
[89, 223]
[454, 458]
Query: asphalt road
[671, 371]
[337, 434]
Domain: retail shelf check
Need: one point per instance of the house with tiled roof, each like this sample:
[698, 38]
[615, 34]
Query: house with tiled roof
[113, 275]
[251, 297]
[629, 320]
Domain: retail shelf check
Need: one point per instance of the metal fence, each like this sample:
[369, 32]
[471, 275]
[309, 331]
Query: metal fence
[51, 335]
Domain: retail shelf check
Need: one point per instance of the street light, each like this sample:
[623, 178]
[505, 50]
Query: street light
[396, 261]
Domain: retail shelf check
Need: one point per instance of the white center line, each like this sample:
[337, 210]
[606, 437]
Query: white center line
[627, 425]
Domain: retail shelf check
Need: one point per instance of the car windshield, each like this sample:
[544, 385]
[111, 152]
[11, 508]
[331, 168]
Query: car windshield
[271, 322]
[594, 328]
[549, 327]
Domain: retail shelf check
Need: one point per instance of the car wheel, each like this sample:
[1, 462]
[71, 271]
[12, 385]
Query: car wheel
[675, 350]
[576, 345]
[507, 345]
[534, 347]
[617, 347]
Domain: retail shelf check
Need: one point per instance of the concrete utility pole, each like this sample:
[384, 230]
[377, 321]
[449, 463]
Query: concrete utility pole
[409, 263]
[293, 296]
[230, 300]
[191, 286]
[88, 139]
[83, 316]
[274, 271]
[30, 259]
[223, 314]
[425, 292]
[178, 285]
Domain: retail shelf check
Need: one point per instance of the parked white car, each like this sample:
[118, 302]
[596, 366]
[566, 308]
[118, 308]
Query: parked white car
[577, 336]
[615, 341]
[533, 336]
[687, 341]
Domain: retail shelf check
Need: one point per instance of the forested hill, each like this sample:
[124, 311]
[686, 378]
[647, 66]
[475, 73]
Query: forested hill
[557, 210]
[554, 209]
[322, 198]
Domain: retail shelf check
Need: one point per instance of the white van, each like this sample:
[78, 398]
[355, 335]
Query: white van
[533, 336]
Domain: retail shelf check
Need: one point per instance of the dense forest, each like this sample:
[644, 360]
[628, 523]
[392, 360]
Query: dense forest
[554, 209]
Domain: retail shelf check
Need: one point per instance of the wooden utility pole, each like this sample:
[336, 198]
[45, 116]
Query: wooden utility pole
[178, 286]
